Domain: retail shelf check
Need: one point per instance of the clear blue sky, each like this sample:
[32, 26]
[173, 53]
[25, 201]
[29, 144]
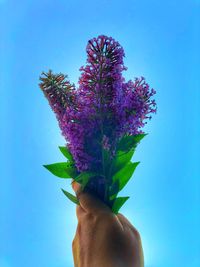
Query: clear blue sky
[161, 42]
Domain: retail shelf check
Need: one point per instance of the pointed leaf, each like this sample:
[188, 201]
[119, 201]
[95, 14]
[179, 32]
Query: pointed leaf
[71, 197]
[124, 174]
[62, 169]
[121, 159]
[84, 178]
[113, 190]
[118, 203]
[66, 153]
[139, 137]
[128, 142]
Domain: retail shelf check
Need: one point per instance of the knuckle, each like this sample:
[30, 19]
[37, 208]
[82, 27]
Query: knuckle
[79, 213]
[136, 233]
[78, 210]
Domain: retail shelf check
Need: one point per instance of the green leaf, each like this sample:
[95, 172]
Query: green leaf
[84, 178]
[118, 203]
[120, 160]
[62, 169]
[71, 197]
[139, 137]
[113, 190]
[124, 174]
[128, 142]
[66, 153]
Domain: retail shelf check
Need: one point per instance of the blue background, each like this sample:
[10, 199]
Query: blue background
[161, 42]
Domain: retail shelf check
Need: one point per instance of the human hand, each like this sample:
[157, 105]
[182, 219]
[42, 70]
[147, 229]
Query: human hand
[102, 238]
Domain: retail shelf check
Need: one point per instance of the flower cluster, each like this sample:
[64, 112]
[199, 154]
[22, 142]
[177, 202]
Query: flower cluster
[103, 108]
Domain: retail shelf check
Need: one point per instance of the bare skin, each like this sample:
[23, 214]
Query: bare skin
[102, 238]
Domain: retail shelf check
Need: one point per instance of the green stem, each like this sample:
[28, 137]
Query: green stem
[102, 133]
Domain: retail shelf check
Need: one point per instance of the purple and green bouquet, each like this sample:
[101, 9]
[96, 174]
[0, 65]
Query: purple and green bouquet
[101, 121]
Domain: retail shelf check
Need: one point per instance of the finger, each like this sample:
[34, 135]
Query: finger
[76, 187]
[125, 222]
[79, 210]
[88, 201]
[92, 204]
[123, 219]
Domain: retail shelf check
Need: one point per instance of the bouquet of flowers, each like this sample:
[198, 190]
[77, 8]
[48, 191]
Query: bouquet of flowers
[101, 121]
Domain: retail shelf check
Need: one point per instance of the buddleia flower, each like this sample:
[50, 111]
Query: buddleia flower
[101, 120]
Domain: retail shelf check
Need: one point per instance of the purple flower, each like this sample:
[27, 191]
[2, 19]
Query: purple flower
[103, 108]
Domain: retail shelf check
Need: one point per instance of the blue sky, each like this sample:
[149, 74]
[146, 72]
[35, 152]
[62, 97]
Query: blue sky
[161, 42]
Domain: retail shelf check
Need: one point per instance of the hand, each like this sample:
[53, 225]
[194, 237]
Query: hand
[102, 238]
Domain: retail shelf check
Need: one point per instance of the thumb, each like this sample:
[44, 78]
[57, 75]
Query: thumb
[88, 201]
[76, 187]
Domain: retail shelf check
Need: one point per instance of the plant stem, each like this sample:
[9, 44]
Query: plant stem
[102, 133]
